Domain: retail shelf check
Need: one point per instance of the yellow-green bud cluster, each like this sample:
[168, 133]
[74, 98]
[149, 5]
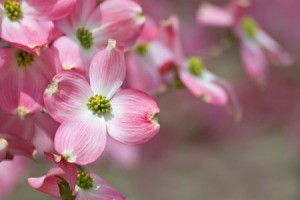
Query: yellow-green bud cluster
[85, 38]
[84, 180]
[12, 9]
[249, 27]
[142, 49]
[196, 66]
[24, 59]
[98, 104]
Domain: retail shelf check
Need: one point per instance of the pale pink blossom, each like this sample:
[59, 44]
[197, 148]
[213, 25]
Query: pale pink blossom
[91, 25]
[89, 111]
[28, 24]
[257, 48]
[193, 74]
[24, 77]
[66, 181]
[147, 60]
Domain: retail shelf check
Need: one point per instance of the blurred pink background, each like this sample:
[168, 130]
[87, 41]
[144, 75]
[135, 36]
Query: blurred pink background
[200, 152]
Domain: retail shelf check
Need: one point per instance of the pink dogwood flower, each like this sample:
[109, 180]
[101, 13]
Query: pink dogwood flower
[24, 77]
[147, 60]
[91, 25]
[256, 46]
[66, 182]
[195, 76]
[27, 24]
[89, 111]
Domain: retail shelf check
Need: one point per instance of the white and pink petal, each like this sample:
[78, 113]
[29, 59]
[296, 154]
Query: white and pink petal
[67, 95]
[134, 117]
[81, 139]
[107, 70]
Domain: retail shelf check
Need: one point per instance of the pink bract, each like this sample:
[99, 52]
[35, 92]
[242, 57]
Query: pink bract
[29, 26]
[98, 23]
[129, 115]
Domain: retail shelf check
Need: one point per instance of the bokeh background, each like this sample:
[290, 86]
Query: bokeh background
[200, 152]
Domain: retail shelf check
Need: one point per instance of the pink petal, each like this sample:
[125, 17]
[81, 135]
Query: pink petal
[19, 146]
[78, 17]
[81, 139]
[204, 87]
[107, 70]
[277, 54]
[45, 124]
[170, 36]
[69, 54]
[67, 95]
[233, 104]
[144, 70]
[69, 168]
[150, 30]
[10, 92]
[212, 15]
[254, 61]
[53, 9]
[24, 87]
[101, 191]
[134, 117]
[15, 125]
[48, 184]
[28, 34]
[117, 17]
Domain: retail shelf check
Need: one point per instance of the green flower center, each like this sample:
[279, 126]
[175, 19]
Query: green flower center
[12, 9]
[85, 37]
[24, 59]
[142, 49]
[98, 104]
[196, 66]
[84, 180]
[249, 27]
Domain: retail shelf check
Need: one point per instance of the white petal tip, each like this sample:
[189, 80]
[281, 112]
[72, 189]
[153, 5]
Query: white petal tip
[57, 158]
[52, 88]
[112, 43]
[3, 144]
[34, 155]
[67, 67]
[70, 157]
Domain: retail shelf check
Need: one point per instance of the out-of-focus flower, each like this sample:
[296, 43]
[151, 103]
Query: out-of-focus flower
[195, 77]
[147, 60]
[66, 182]
[256, 46]
[90, 26]
[88, 112]
[27, 24]
[24, 77]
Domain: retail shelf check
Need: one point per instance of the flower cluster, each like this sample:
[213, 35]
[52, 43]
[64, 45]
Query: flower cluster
[85, 74]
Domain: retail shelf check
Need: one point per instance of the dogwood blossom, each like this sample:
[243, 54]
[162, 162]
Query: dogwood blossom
[89, 111]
